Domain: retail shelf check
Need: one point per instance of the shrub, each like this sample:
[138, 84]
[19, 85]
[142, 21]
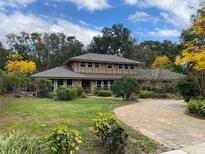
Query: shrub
[44, 87]
[111, 133]
[133, 97]
[66, 93]
[196, 107]
[152, 94]
[18, 143]
[80, 91]
[104, 93]
[3, 83]
[126, 86]
[186, 88]
[64, 141]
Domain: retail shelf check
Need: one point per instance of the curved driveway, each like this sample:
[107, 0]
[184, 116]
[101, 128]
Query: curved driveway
[164, 120]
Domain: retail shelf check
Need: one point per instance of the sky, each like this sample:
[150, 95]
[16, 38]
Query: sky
[147, 19]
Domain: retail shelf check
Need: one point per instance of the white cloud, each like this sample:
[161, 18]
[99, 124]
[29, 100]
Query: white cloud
[176, 12]
[15, 3]
[142, 17]
[18, 22]
[89, 5]
[165, 33]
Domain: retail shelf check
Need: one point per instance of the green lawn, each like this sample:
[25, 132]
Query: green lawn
[38, 116]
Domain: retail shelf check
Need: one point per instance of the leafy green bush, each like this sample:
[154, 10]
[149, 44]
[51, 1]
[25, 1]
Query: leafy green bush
[18, 143]
[66, 93]
[64, 141]
[5, 83]
[186, 88]
[104, 93]
[196, 106]
[152, 94]
[126, 86]
[44, 87]
[111, 133]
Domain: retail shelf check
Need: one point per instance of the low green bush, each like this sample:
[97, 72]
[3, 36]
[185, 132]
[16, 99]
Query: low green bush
[113, 136]
[152, 94]
[187, 89]
[44, 87]
[64, 141]
[18, 143]
[66, 93]
[125, 87]
[196, 107]
[104, 93]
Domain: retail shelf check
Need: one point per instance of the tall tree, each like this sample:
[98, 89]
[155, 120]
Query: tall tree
[147, 51]
[115, 40]
[193, 54]
[3, 56]
[48, 50]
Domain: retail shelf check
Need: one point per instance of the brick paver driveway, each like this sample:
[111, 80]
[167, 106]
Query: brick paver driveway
[164, 121]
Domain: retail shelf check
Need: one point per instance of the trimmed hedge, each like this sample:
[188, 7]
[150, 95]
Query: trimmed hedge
[152, 94]
[104, 93]
[196, 107]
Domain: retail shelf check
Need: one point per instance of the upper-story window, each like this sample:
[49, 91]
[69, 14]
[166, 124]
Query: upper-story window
[109, 65]
[82, 64]
[126, 66]
[120, 66]
[97, 65]
[90, 64]
[131, 67]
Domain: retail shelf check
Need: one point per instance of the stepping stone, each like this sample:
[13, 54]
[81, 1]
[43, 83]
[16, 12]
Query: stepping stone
[175, 152]
[196, 149]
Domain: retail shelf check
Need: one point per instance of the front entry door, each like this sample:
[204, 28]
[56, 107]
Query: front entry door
[86, 84]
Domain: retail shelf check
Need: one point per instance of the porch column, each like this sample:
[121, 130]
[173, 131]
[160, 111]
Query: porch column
[102, 84]
[64, 82]
[92, 87]
[109, 84]
[55, 85]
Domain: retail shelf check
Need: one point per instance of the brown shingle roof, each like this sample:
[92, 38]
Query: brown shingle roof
[58, 72]
[65, 72]
[93, 57]
[158, 74]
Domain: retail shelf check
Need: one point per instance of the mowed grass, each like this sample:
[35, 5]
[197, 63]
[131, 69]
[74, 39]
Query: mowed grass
[37, 117]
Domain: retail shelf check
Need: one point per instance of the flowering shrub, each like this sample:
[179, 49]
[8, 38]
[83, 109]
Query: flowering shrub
[111, 133]
[64, 141]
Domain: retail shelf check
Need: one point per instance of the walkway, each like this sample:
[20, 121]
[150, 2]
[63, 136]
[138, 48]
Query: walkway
[164, 121]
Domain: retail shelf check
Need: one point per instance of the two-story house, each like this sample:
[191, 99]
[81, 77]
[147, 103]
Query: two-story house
[90, 71]
[98, 71]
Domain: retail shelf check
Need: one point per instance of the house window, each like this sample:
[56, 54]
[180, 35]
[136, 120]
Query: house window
[60, 82]
[90, 64]
[105, 84]
[109, 65]
[120, 66]
[98, 84]
[126, 66]
[111, 83]
[69, 83]
[131, 67]
[97, 65]
[52, 86]
[82, 64]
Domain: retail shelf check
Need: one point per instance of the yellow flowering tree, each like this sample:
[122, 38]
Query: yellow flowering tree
[193, 55]
[161, 62]
[18, 70]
